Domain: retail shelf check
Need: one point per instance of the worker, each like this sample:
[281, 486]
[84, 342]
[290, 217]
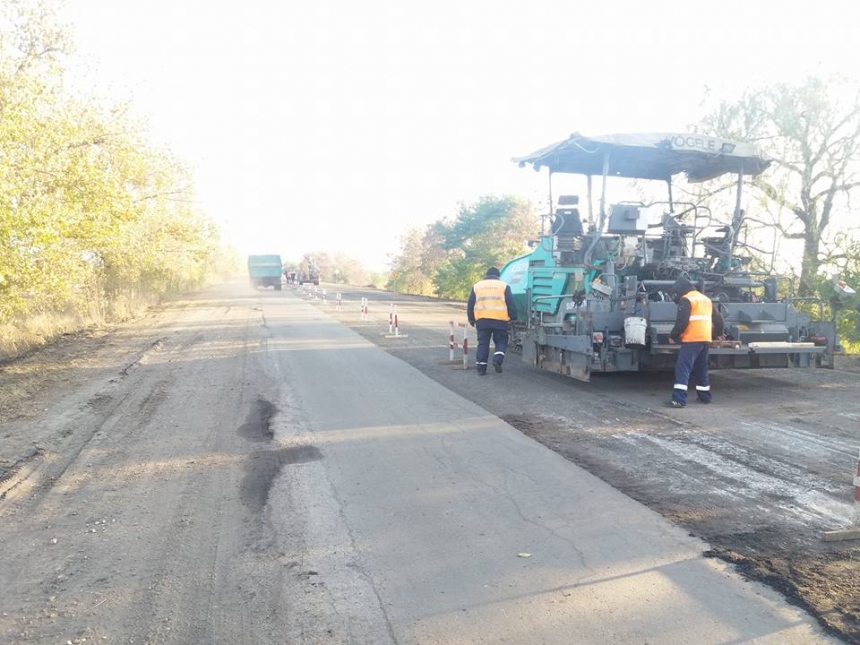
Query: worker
[697, 323]
[490, 308]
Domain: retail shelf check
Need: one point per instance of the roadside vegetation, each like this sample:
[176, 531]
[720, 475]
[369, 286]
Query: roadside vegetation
[95, 222]
[450, 255]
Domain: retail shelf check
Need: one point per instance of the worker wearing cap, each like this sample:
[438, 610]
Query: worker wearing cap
[697, 323]
[490, 308]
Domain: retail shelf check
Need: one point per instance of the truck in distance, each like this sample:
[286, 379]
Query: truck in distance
[265, 271]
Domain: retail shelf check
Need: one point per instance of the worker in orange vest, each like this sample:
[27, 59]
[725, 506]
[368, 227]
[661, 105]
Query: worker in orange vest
[490, 308]
[697, 323]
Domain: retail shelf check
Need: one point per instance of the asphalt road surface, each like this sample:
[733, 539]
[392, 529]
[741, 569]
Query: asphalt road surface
[254, 467]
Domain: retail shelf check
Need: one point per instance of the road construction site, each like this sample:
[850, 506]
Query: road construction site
[253, 466]
[761, 475]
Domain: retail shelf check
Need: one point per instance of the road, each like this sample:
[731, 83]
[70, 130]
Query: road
[760, 475]
[254, 467]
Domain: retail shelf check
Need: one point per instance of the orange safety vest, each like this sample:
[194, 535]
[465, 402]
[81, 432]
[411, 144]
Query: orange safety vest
[699, 328]
[490, 300]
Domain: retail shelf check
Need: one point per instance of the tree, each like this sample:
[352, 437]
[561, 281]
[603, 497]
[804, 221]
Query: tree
[349, 270]
[451, 255]
[488, 232]
[88, 209]
[410, 270]
[812, 132]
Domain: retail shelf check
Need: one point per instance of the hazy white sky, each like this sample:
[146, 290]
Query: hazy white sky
[334, 124]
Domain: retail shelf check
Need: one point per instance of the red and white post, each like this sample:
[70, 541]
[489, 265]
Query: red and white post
[364, 308]
[853, 531]
[453, 344]
[856, 523]
[337, 301]
[394, 324]
[465, 346]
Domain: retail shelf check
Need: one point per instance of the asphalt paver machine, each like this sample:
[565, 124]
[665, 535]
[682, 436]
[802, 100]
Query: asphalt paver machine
[594, 294]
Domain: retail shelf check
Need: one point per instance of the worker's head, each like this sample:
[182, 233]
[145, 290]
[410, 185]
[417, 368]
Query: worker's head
[682, 285]
[492, 272]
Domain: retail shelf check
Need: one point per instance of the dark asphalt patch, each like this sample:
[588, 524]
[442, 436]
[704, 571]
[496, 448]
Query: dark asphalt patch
[264, 466]
[257, 426]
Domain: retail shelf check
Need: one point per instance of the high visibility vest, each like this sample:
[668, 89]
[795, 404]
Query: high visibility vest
[701, 310]
[490, 300]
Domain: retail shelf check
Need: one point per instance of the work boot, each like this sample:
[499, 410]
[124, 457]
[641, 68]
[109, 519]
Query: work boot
[675, 404]
[482, 371]
[497, 367]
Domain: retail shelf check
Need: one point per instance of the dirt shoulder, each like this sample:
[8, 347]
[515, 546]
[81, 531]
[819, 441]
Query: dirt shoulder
[47, 375]
[133, 462]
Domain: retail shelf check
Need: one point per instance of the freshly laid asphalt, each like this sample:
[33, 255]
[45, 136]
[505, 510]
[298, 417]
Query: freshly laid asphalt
[426, 519]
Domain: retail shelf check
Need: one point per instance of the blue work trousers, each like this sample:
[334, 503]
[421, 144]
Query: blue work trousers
[692, 362]
[497, 330]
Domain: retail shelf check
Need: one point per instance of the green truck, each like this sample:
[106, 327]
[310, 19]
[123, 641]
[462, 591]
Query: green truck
[265, 271]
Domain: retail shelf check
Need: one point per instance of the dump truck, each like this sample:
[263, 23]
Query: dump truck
[594, 293]
[265, 271]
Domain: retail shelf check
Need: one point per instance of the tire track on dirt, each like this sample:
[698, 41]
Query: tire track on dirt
[43, 467]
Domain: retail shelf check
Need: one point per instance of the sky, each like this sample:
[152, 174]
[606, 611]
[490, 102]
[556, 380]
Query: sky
[335, 125]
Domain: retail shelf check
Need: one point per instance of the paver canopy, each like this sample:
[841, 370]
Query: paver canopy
[649, 156]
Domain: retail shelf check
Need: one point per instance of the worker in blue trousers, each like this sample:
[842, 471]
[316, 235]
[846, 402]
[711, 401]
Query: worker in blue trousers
[490, 308]
[697, 323]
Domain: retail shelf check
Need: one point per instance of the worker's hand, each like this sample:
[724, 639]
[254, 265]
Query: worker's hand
[472, 323]
[671, 341]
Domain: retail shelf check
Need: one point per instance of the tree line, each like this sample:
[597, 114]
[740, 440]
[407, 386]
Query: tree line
[93, 218]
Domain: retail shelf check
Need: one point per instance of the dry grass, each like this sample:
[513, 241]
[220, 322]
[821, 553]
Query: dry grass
[21, 336]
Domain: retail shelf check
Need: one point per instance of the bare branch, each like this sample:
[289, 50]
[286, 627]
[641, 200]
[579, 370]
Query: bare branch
[788, 166]
[773, 194]
[842, 188]
[165, 195]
